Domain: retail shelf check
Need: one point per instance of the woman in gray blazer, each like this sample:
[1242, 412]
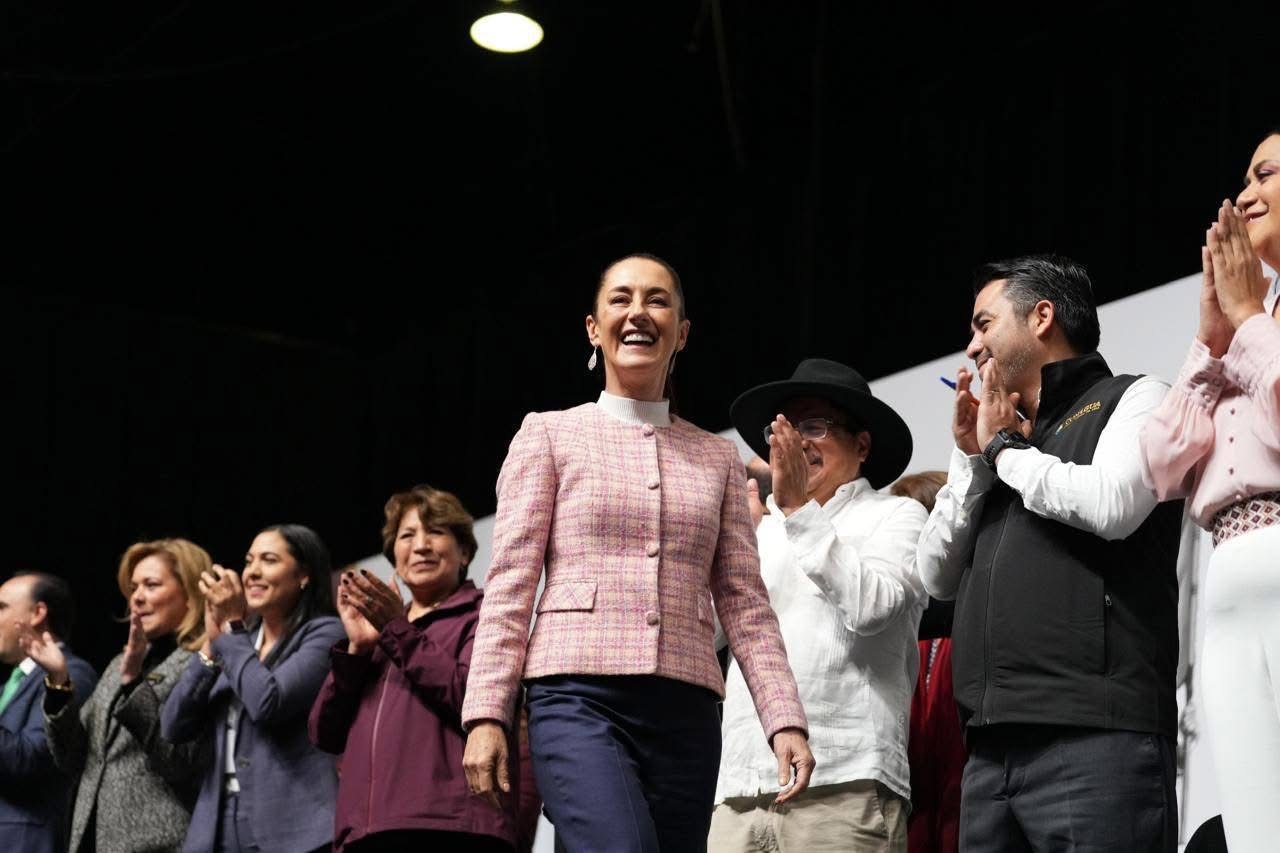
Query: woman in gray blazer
[136, 789]
[267, 639]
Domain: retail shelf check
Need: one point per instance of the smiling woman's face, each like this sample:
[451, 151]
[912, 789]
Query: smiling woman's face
[273, 578]
[638, 321]
[1259, 201]
[428, 557]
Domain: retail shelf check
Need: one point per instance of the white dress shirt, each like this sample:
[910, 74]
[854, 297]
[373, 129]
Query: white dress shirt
[1106, 498]
[230, 783]
[842, 580]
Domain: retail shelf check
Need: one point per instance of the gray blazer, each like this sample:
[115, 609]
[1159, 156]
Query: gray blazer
[143, 786]
[287, 786]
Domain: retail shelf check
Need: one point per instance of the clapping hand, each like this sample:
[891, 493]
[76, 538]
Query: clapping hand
[997, 407]
[44, 650]
[224, 594]
[135, 651]
[757, 470]
[361, 636]
[1237, 272]
[377, 602]
[964, 425]
[1215, 330]
[788, 466]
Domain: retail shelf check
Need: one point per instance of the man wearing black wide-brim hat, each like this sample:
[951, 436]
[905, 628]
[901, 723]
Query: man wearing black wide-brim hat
[838, 558]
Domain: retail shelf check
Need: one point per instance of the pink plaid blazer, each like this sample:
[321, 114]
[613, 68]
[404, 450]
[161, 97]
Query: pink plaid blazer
[639, 528]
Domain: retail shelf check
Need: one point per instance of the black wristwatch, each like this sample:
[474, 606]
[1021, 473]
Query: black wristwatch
[1003, 439]
[236, 626]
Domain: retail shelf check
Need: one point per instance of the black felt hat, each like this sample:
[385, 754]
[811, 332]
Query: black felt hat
[845, 388]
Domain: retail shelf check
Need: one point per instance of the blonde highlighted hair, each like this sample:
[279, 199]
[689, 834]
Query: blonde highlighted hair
[187, 561]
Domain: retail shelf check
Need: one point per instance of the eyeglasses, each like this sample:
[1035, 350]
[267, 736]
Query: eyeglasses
[809, 428]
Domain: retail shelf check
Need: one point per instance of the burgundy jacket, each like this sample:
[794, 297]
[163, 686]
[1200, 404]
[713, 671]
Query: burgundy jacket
[395, 718]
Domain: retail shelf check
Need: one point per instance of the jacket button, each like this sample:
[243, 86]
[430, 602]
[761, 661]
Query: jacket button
[653, 550]
[648, 429]
[653, 484]
[1231, 470]
[652, 617]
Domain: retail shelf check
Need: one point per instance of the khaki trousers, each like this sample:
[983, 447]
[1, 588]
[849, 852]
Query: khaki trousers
[861, 816]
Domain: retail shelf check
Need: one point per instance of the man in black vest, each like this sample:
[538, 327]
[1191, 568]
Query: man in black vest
[1062, 567]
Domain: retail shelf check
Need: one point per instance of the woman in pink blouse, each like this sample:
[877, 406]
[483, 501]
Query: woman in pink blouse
[641, 520]
[1216, 441]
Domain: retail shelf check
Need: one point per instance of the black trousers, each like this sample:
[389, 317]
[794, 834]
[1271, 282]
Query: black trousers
[1055, 788]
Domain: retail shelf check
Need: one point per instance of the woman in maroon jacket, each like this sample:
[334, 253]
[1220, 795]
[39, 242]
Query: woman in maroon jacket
[391, 703]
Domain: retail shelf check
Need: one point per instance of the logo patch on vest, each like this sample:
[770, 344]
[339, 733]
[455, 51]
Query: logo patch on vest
[1087, 410]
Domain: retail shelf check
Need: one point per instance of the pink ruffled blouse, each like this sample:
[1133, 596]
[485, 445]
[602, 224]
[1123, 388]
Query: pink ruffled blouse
[1215, 439]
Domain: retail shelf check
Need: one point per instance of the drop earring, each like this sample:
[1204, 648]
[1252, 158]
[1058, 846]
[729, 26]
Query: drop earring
[595, 358]
[671, 368]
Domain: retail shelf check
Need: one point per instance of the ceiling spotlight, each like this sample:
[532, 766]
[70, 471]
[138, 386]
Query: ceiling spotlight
[506, 31]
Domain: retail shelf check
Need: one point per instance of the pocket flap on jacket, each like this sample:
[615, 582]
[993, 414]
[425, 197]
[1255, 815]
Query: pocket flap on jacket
[568, 595]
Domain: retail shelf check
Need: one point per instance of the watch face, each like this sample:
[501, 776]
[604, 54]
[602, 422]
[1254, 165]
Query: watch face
[1003, 438]
[236, 626]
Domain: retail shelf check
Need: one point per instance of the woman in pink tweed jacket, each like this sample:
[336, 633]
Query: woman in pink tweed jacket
[641, 521]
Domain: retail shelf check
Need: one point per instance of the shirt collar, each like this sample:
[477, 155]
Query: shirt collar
[848, 492]
[27, 666]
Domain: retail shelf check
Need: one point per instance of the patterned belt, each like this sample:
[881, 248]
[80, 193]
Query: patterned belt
[1249, 514]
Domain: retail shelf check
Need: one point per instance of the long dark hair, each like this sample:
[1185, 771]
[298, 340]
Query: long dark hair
[312, 555]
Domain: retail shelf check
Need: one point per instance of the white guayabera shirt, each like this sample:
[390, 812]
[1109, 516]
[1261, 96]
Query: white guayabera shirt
[843, 582]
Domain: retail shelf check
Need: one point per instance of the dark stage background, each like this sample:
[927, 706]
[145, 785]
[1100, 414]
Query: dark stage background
[272, 261]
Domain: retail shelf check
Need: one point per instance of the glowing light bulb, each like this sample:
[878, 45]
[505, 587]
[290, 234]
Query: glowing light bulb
[506, 32]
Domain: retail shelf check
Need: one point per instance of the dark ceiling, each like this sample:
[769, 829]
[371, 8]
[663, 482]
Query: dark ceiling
[274, 260]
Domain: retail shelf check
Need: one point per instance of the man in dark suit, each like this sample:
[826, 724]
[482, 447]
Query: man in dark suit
[33, 794]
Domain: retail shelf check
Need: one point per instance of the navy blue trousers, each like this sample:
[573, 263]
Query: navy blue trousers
[625, 763]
